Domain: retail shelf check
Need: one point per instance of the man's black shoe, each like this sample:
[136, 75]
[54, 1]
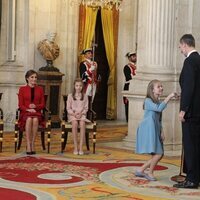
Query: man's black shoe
[186, 184]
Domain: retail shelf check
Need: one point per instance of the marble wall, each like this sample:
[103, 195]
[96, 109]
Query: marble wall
[34, 19]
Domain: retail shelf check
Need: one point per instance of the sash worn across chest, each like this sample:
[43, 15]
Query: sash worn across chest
[132, 68]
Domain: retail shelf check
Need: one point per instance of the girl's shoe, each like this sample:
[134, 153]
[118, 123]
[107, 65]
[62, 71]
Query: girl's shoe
[139, 174]
[81, 152]
[75, 152]
[150, 178]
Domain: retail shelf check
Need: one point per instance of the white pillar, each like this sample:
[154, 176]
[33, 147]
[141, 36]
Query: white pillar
[156, 53]
[156, 36]
[127, 40]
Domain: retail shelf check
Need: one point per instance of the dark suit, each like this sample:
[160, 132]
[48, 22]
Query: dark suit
[190, 103]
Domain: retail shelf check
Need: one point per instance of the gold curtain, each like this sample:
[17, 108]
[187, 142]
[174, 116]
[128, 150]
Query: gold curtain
[110, 31]
[87, 22]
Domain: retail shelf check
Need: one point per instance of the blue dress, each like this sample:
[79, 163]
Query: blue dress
[148, 138]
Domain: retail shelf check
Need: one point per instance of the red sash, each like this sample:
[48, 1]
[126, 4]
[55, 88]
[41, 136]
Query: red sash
[132, 68]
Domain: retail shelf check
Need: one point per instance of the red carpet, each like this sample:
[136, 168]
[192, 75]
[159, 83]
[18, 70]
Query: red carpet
[27, 169]
[9, 194]
[39, 171]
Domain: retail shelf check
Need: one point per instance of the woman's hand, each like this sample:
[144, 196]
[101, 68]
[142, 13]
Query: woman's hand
[32, 105]
[31, 110]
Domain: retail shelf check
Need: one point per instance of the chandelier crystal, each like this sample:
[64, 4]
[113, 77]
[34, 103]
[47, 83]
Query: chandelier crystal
[108, 4]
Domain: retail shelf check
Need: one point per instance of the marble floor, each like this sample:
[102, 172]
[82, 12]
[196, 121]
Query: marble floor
[120, 144]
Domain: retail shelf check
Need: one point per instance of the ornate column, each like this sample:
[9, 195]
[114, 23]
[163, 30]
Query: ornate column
[156, 37]
[156, 60]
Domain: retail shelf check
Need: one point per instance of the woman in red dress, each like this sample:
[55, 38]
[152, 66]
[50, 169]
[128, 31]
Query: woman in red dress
[31, 102]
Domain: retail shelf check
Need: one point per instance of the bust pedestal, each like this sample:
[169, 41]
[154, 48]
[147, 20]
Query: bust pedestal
[51, 82]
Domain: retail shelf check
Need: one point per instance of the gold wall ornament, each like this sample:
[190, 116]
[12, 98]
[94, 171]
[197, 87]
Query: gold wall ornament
[108, 4]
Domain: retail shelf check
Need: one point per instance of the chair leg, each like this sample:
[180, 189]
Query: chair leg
[94, 142]
[20, 139]
[87, 140]
[1, 130]
[65, 141]
[1, 140]
[43, 140]
[1, 137]
[48, 141]
[62, 141]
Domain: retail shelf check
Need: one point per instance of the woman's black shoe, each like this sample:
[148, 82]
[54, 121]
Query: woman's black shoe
[29, 153]
[33, 152]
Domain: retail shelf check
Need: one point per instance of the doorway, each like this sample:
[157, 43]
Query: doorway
[100, 100]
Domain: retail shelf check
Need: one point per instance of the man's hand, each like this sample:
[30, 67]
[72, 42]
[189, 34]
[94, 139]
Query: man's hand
[181, 116]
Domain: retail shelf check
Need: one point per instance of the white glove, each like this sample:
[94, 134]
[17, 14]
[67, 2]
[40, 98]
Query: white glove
[92, 68]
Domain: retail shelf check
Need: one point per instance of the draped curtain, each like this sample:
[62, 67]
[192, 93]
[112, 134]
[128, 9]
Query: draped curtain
[110, 29]
[87, 22]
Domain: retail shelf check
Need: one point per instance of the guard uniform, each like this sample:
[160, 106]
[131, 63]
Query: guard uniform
[88, 73]
[129, 73]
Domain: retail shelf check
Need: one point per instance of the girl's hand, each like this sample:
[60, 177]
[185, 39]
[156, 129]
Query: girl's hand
[78, 115]
[162, 136]
[173, 94]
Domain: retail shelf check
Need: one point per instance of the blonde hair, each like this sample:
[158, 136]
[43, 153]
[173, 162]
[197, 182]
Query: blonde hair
[150, 88]
[78, 80]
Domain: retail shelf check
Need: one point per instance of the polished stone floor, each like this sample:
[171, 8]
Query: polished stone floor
[120, 144]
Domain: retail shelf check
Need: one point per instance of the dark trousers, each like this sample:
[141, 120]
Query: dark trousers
[126, 111]
[191, 145]
[126, 107]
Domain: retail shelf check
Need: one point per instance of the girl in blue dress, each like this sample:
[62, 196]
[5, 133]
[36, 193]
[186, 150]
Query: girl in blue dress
[149, 139]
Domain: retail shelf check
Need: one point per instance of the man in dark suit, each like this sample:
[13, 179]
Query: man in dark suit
[129, 72]
[190, 111]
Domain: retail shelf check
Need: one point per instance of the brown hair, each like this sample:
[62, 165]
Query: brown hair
[150, 90]
[78, 80]
[29, 73]
[188, 39]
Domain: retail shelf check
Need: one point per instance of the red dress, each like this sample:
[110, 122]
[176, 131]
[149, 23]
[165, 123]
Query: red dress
[25, 98]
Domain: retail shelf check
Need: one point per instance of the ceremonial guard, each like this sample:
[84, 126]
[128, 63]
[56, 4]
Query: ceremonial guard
[129, 73]
[88, 72]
